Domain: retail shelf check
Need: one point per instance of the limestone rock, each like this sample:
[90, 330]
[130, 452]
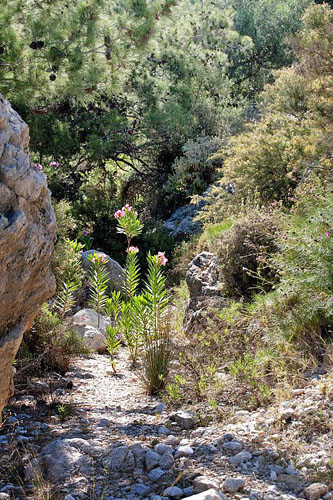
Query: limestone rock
[181, 225]
[202, 279]
[115, 271]
[27, 235]
[86, 322]
[208, 495]
[184, 420]
[63, 458]
[203, 483]
[315, 491]
[232, 485]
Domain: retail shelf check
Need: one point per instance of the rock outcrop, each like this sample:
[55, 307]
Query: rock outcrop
[27, 234]
[202, 279]
[182, 224]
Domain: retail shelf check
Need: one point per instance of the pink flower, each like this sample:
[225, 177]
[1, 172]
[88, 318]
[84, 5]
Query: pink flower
[85, 232]
[162, 258]
[291, 211]
[39, 167]
[133, 249]
[100, 257]
[119, 213]
[328, 233]
[312, 190]
[127, 207]
[54, 164]
[243, 268]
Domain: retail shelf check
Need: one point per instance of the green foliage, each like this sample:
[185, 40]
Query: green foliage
[195, 170]
[65, 300]
[268, 24]
[49, 345]
[98, 278]
[243, 251]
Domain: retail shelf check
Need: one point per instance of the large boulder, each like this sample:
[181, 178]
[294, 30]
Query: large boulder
[115, 271]
[27, 235]
[202, 279]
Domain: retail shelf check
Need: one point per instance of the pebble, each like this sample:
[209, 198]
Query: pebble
[233, 446]
[203, 483]
[171, 440]
[152, 459]
[140, 489]
[184, 451]
[173, 491]
[156, 474]
[315, 491]
[184, 420]
[232, 485]
[162, 448]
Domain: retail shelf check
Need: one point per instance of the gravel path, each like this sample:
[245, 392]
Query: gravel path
[119, 443]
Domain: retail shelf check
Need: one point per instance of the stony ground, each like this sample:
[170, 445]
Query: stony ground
[118, 443]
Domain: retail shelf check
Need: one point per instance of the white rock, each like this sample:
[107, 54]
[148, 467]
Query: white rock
[203, 483]
[208, 495]
[184, 451]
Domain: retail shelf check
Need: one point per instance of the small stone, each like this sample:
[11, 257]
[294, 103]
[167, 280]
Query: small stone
[104, 422]
[140, 489]
[184, 420]
[241, 457]
[172, 440]
[173, 492]
[291, 480]
[166, 461]
[233, 446]
[162, 448]
[152, 460]
[208, 495]
[203, 483]
[160, 407]
[315, 491]
[231, 485]
[184, 451]
[163, 430]
[156, 474]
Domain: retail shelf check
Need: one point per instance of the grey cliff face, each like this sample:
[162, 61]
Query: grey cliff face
[27, 235]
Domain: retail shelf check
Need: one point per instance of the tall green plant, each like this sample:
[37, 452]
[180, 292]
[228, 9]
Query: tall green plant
[142, 319]
[98, 283]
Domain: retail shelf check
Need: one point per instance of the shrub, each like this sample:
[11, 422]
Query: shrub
[49, 345]
[195, 170]
[243, 251]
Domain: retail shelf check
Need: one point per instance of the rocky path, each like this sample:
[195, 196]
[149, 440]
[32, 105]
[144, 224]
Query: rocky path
[118, 443]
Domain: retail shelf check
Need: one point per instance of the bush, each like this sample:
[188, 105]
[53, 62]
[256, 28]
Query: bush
[49, 345]
[195, 170]
[243, 250]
